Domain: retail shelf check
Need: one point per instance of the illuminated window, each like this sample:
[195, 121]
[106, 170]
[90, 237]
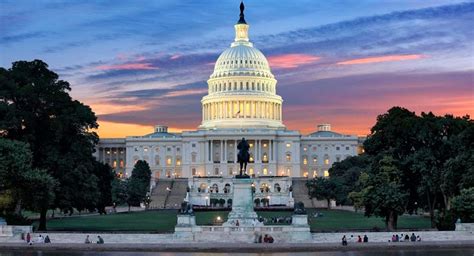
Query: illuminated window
[121, 163]
[288, 157]
[114, 164]
[315, 160]
[108, 152]
[264, 145]
[288, 171]
[326, 159]
[168, 160]
[178, 162]
[265, 171]
[315, 173]
[265, 157]
[251, 171]
[251, 145]
[251, 158]
[326, 173]
[145, 149]
[305, 174]
[305, 149]
[305, 160]
[288, 145]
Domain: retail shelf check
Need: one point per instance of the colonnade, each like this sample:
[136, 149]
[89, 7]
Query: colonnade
[242, 109]
[262, 151]
[114, 156]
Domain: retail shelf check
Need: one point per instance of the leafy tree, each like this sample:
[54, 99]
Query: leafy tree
[35, 107]
[463, 205]
[19, 183]
[119, 192]
[324, 188]
[346, 174]
[106, 176]
[138, 184]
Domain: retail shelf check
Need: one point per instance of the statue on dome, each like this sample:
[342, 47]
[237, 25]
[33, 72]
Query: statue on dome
[243, 157]
[242, 18]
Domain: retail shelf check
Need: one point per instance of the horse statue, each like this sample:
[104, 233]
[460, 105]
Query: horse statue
[243, 156]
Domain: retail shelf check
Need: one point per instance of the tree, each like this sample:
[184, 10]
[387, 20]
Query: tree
[119, 192]
[106, 176]
[324, 188]
[19, 183]
[35, 107]
[138, 184]
[346, 173]
[383, 194]
[463, 205]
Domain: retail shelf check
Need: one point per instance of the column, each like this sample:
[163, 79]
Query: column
[206, 150]
[225, 151]
[211, 150]
[222, 152]
[235, 151]
[270, 151]
[245, 109]
[257, 150]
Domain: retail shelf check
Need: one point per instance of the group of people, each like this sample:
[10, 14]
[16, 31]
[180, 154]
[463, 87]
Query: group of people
[275, 220]
[405, 238]
[100, 240]
[360, 239]
[264, 239]
[37, 240]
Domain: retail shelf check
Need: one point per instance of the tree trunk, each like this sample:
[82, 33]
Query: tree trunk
[128, 207]
[42, 223]
[18, 207]
[329, 204]
[431, 205]
[391, 220]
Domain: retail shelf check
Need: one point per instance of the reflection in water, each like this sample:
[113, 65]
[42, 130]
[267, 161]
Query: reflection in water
[450, 252]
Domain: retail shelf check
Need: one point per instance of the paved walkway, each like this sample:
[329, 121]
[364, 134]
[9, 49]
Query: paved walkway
[235, 247]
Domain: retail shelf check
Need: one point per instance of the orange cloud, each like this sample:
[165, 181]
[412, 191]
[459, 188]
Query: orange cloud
[121, 130]
[293, 60]
[377, 59]
[127, 66]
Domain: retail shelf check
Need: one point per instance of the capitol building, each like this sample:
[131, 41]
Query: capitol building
[242, 102]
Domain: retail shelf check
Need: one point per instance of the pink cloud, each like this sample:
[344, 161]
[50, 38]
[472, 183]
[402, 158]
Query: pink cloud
[128, 66]
[377, 59]
[293, 60]
[176, 56]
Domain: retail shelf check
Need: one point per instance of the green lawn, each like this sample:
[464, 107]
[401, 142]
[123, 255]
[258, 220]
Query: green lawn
[164, 221]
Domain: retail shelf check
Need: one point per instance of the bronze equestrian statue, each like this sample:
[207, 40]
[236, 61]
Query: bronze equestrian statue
[243, 157]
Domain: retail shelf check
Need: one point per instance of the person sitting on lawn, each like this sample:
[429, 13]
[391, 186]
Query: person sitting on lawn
[270, 239]
[407, 238]
[47, 240]
[344, 240]
[87, 241]
[265, 238]
[413, 237]
[366, 239]
[100, 240]
[359, 239]
[418, 238]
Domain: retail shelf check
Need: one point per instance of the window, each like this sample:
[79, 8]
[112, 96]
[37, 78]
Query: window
[338, 158]
[157, 160]
[315, 173]
[326, 161]
[337, 148]
[265, 171]
[168, 149]
[193, 145]
[121, 163]
[305, 160]
[288, 145]
[305, 149]
[114, 165]
[193, 157]
[168, 160]
[314, 148]
[193, 171]
[178, 161]
[178, 149]
[347, 148]
[264, 145]
[265, 157]
[216, 171]
[288, 157]
[326, 173]
[251, 172]
[315, 159]
[145, 149]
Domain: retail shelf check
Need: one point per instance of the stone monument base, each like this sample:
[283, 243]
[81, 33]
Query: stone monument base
[242, 213]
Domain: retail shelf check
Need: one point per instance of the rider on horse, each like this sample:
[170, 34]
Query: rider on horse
[243, 157]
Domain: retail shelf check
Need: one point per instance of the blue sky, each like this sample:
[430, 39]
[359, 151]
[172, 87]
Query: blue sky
[138, 63]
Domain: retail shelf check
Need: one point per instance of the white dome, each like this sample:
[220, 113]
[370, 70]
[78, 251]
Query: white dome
[242, 60]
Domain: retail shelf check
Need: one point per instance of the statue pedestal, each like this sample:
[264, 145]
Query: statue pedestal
[242, 205]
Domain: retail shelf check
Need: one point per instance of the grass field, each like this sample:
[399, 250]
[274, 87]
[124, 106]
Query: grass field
[164, 221]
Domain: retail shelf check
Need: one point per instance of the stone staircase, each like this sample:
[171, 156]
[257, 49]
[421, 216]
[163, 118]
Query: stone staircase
[159, 194]
[300, 192]
[177, 194]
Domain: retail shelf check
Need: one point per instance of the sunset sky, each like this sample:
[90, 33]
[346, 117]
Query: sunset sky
[141, 63]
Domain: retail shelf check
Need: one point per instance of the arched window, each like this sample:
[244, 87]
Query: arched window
[288, 157]
[326, 159]
[214, 188]
[305, 160]
[202, 188]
